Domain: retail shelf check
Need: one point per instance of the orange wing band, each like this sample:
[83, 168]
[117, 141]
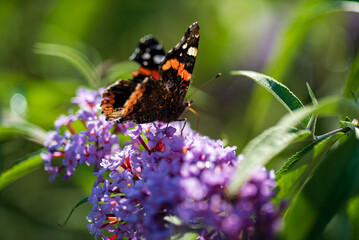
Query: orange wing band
[147, 72]
[173, 63]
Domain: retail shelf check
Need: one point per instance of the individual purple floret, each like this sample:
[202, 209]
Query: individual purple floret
[92, 140]
[176, 182]
[87, 99]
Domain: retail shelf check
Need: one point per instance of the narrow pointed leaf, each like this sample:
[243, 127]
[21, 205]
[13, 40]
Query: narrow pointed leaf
[75, 57]
[312, 96]
[20, 169]
[313, 119]
[278, 90]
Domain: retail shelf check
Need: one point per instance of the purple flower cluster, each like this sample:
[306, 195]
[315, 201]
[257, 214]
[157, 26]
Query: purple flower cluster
[175, 181]
[92, 140]
[165, 181]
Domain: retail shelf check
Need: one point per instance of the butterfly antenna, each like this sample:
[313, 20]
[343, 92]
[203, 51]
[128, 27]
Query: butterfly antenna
[205, 84]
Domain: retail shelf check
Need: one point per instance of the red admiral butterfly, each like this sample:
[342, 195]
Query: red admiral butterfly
[157, 91]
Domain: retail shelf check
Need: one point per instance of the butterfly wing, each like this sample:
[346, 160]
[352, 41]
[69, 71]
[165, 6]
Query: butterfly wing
[149, 53]
[146, 101]
[115, 97]
[177, 67]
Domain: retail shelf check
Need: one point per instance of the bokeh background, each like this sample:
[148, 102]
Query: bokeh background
[293, 41]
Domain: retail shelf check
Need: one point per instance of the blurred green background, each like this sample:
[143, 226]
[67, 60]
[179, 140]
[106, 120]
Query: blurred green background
[293, 41]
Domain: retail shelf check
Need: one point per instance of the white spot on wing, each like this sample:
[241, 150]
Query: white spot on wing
[192, 51]
[158, 46]
[158, 59]
[146, 55]
[145, 63]
[184, 46]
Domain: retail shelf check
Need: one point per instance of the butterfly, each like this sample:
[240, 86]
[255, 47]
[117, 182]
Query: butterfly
[157, 91]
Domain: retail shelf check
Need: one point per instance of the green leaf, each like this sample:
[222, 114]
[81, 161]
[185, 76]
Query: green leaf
[295, 173]
[334, 181]
[355, 97]
[262, 149]
[312, 96]
[272, 141]
[353, 214]
[293, 159]
[352, 85]
[26, 166]
[331, 106]
[278, 90]
[16, 126]
[313, 119]
[75, 57]
[324, 145]
[288, 185]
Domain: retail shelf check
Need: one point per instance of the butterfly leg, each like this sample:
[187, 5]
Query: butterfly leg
[185, 121]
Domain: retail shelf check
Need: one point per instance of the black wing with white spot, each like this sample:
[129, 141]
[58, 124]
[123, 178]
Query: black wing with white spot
[149, 53]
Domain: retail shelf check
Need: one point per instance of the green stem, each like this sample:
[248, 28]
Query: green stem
[321, 137]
